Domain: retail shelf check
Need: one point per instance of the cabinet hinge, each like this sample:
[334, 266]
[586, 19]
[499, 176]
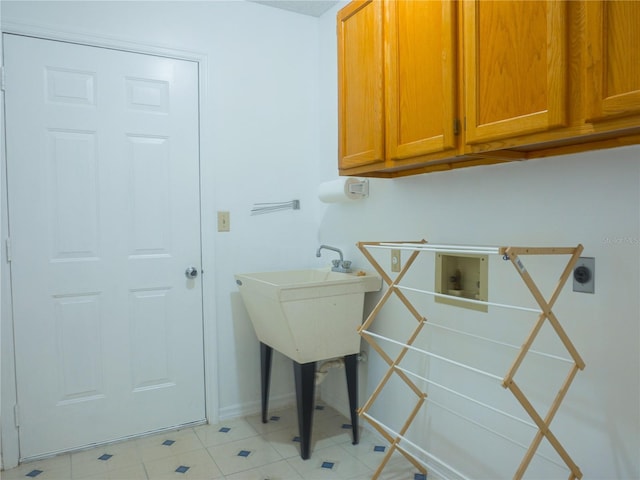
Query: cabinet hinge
[456, 126]
[465, 124]
[7, 248]
[16, 415]
[2, 78]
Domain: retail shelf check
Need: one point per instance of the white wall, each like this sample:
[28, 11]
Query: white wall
[592, 199]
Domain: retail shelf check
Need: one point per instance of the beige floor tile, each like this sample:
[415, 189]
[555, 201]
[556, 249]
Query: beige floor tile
[194, 465]
[225, 432]
[367, 452]
[58, 465]
[395, 471]
[95, 461]
[336, 428]
[242, 455]
[132, 472]
[278, 420]
[283, 442]
[396, 468]
[274, 471]
[329, 463]
[63, 473]
[168, 444]
[321, 412]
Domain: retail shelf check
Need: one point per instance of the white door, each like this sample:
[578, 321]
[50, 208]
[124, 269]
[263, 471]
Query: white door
[103, 183]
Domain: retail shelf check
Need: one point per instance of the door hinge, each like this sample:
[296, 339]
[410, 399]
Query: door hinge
[7, 249]
[456, 126]
[16, 415]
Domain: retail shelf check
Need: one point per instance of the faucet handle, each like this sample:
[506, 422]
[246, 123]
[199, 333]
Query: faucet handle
[346, 264]
[336, 262]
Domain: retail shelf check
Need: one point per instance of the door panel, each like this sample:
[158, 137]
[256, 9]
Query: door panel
[103, 177]
[74, 206]
[78, 348]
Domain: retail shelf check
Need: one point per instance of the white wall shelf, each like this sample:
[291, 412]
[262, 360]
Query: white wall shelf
[422, 459]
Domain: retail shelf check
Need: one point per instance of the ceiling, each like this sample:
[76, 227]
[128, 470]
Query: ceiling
[315, 8]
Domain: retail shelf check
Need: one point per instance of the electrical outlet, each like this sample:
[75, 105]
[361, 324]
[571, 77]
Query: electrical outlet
[223, 222]
[584, 275]
[396, 263]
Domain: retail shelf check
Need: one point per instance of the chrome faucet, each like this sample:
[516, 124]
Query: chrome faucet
[327, 247]
[342, 265]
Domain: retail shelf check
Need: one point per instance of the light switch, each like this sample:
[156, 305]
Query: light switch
[396, 261]
[223, 222]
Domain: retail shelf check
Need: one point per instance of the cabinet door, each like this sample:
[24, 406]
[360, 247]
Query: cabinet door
[419, 78]
[360, 85]
[515, 68]
[613, 59]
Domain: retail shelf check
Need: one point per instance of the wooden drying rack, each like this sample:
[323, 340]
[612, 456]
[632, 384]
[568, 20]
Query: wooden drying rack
[541, 423]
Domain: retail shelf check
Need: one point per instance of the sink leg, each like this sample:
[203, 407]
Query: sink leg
[351, 369]
[305, 378]
[266, 355]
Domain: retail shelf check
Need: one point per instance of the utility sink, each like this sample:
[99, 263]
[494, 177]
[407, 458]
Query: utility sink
[307, 315]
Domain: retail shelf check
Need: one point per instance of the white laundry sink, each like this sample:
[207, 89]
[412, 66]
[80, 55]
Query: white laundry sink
[308, 315]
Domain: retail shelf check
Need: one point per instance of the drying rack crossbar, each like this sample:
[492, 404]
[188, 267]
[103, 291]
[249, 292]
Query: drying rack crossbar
[431, 354]
[466, 397]
[469, 300]
[430, 247]
[496, 342]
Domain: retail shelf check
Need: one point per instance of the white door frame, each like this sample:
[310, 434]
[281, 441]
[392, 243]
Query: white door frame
[9, 439]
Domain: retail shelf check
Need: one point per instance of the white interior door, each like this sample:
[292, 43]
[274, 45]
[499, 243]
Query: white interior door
[103, 184]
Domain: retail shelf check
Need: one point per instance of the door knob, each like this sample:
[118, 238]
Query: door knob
[191, 272]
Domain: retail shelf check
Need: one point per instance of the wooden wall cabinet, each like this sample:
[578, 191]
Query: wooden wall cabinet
[397, 84]
[515, 68]
[435, 85]
[420, 79]
[612, 63]
[360, 91]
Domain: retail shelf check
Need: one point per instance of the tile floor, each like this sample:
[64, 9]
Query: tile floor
[238, 449]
